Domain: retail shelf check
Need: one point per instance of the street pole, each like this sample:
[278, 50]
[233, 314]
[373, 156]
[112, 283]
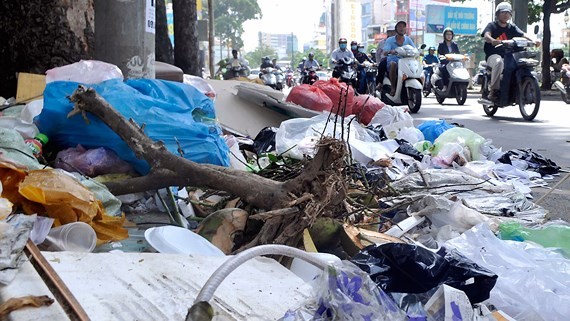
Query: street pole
[292, 61]
[211, 37]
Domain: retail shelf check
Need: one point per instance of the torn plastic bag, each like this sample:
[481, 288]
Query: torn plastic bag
[464, 137]
[536, 162]
[533, 283]
[408, 149]
[264, 142]
[406, 268]
[177, 114]
[92, 162]
[343, 292]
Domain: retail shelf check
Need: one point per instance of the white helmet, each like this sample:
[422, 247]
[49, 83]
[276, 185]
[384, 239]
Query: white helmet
[504, 6]
[391, 26]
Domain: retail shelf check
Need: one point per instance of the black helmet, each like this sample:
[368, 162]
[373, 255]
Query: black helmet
[311, 55]
[234, 51]
[450, 30]
[399, 22]
[353, 43]
[342, 40]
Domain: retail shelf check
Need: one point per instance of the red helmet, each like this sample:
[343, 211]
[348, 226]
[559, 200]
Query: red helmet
[353, 43]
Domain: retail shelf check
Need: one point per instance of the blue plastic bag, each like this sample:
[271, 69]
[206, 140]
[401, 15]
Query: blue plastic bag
[433, 128]
[171, 112]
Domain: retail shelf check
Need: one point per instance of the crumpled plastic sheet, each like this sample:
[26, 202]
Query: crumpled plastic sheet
[343, 292]
[475, 193]
[14, 233]
[533, 283]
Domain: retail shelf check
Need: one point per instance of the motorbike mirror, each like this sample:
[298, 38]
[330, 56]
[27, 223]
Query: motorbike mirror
[423, 46]
[536, 29]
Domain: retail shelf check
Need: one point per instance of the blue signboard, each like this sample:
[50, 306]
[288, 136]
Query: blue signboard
[461, 20]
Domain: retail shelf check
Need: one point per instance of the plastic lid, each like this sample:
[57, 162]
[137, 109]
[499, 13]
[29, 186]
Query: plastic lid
[42, 138]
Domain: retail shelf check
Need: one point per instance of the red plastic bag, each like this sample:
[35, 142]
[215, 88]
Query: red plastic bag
[368, 108]
[310, 97]
[332, 88]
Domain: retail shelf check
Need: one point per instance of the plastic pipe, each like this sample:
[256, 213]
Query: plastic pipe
[207, 291]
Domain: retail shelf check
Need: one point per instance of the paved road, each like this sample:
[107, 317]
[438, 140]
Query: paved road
[548, 135]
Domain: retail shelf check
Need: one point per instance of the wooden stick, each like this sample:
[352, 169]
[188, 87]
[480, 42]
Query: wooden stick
[69, 301]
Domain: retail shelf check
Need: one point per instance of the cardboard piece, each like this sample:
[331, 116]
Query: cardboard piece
[30, 86]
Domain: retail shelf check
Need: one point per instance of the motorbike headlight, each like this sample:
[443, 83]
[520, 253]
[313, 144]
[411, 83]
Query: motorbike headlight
[456, 64]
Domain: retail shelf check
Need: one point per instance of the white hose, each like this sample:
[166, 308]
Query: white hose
[227, 267]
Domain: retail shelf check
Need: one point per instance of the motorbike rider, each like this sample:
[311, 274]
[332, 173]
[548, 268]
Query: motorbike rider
[275, 65]
[372, 55]
[361, 57]
[354, 47]
[557, 59]
[338, 54]
[400, 39]
[242, 62]
[428, 62]
[301, 64]
[266, 63]
[309, 63]
[380, 57]
[494, 33]
[445, 47]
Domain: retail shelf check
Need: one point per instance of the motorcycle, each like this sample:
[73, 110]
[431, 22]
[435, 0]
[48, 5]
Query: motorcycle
[290, 79]
[309, 76]
[268, 77]
[519, 86]
[235, 70]
[563, 83]
[458, 79]
[371, 73]
[345, 68]
[409, 85]
[428, 72]
[279, 79]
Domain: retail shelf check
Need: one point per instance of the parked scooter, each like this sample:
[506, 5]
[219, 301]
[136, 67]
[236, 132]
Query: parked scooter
[268, 77]
[409, 85]
[458, 78]
[309, 76]
[563, 83]
[345, 67]
[520, 86]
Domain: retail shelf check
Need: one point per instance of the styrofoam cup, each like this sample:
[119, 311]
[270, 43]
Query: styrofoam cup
[74, 237]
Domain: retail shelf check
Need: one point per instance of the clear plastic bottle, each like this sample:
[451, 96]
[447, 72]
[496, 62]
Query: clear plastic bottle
[36, 144]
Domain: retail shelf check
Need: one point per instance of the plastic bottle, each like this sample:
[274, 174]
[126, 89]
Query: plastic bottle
[553, 235]
[37, 143]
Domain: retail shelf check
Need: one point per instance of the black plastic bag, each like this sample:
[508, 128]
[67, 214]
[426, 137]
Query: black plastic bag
[405, 268]
[264, 142]
[408, 149]
[536, 162]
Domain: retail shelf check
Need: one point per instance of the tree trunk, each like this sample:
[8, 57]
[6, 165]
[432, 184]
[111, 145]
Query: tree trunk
[546, 37]
[186, 36]
[163, 46]
[40, 35]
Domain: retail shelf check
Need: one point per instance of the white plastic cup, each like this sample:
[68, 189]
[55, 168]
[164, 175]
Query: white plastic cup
[74, 237]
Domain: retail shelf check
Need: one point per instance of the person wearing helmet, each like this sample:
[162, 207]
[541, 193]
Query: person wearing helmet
[400, 39]
[372, 55]
[274, 63]
[494, 33]
[380, 57]
[354, 47]
[361, 57]
[428, 62]
[311, 62]
[445, 47]
[340, 53]
[301, 65]
[266, 63]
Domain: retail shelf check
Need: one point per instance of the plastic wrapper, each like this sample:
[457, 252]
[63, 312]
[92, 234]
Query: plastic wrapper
[406, 268]
[177, 114]
[533, 283]
[408, 149]
[14, 233]
[85, 71]
[310, 97]
[345, 293]
[337, 92]
[433, 128]
[298, 136]
[92, 162]
[20, 118]
[200, 84]
[463, 136]
[535, 161]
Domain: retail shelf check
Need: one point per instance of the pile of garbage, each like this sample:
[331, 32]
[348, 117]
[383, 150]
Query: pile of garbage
[436, 223]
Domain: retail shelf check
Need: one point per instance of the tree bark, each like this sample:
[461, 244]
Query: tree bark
[186, 47]
[163, 46]
[40, 35]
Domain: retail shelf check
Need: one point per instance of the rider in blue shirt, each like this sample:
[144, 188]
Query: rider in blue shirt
[428, 62]
[400, 39]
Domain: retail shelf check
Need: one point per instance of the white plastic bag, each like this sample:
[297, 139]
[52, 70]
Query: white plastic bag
[85, 71]
[392, 119]
[200, 84]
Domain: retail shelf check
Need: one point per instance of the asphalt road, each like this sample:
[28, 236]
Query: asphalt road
[548, 135]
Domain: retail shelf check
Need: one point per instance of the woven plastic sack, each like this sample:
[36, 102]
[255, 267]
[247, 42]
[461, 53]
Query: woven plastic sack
[337, 92]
